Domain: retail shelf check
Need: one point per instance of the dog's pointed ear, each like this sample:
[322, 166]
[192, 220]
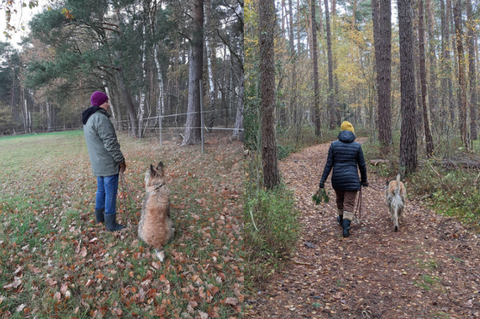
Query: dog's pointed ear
[152, 170]
[160, 169]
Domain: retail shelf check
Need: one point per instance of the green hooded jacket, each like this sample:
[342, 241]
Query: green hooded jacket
[102, 144]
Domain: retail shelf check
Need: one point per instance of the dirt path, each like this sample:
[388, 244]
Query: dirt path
[429, 269]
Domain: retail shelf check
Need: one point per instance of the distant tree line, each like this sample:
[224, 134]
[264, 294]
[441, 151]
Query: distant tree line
[147, 55]
[414, 72]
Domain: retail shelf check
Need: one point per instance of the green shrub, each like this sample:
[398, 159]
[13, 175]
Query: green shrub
[284, 151]
[272, 228]
[454, 193]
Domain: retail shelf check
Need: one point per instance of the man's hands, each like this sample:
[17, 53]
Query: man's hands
[123, 166]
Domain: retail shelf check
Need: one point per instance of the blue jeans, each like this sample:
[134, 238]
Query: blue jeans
[107, 187]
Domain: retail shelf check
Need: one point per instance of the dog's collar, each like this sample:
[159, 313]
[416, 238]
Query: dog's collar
[155, 187]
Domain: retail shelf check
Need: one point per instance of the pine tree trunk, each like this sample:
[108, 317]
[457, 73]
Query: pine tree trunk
[126, 91]
[331, 97]
[408, 139]
[298, 30]
[449, 62]
[432, 92]
[472, 76]
[316, 105]
[444, 68]
[271, 173]
[293, 97]
[381, 12]
[354, 10]
[320, 15]
[462, 107]
[423, 78]
[192, 134]
[132, 115]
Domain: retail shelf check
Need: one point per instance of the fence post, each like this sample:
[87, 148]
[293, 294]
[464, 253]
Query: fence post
[160, 118]
[201, 117]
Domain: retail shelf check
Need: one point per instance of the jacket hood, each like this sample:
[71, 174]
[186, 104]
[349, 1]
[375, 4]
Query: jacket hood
[88, 112]
[346, 136]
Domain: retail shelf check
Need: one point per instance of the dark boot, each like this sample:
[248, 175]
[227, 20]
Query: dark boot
[99, 215]
[111, 222]
[346, 227]
[340, 216]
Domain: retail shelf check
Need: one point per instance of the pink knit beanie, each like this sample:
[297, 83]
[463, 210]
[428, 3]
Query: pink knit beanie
[98, 98]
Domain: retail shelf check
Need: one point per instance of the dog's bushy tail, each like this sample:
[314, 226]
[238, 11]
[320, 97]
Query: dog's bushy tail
[397, 188]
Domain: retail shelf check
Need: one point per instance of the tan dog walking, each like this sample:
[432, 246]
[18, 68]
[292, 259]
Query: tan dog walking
[395, 197]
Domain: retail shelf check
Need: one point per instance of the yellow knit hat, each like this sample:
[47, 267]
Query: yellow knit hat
[347, 126]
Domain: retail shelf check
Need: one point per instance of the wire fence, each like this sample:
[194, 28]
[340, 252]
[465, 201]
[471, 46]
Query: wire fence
[152, 126]
[155, 123]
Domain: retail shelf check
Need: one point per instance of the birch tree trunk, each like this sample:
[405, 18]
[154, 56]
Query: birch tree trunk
[49, 117]
[211, 58]
[238, 131]
[141, 103]
[161, 95]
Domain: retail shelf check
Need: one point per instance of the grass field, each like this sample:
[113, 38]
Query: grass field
[55, 262]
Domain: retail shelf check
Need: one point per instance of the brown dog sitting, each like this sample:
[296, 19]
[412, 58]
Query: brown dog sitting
[155, 227]
[395, 197]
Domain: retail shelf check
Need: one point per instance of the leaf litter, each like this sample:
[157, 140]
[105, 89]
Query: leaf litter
[428, 269]
[57, 263]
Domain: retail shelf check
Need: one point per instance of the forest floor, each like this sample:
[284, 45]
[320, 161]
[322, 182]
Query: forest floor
[57, 262]
[428, 269]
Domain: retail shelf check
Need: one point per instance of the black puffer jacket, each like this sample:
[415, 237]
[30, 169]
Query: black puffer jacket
[344, 156]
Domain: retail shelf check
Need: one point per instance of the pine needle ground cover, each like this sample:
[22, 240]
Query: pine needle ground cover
[55, 262]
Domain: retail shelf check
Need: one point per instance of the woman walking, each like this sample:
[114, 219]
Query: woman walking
[345, 156]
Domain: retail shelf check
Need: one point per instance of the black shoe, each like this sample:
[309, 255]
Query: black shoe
[340, 220]
[99, 215]
[346, 227]
[111, 222]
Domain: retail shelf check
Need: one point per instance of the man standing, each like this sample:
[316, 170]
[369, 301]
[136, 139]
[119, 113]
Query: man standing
[105, 157]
